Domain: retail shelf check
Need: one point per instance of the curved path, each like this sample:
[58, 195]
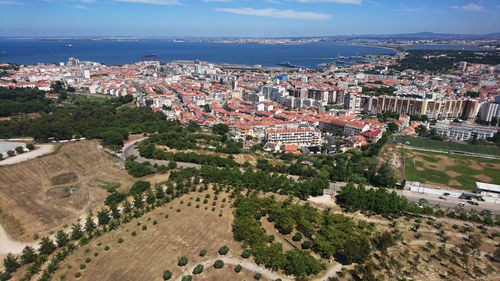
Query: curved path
[249, 265]
[234, 261]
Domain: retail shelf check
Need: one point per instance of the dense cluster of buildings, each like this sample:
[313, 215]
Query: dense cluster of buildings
[293, 109]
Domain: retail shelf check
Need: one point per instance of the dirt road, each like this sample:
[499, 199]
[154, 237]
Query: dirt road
[41, 149]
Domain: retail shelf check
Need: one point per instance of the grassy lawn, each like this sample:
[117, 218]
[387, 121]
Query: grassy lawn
[444, 145]
[456, 171]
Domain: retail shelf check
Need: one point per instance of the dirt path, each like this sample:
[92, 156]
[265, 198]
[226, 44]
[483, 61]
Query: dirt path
[40, 150]
[332, 271]
[244, 263]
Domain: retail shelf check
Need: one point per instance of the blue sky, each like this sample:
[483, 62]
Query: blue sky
[245, 17]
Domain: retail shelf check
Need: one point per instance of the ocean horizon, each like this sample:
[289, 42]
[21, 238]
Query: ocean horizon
[111, 52]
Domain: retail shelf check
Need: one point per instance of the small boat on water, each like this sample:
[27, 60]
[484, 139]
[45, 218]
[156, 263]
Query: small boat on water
[68, 46]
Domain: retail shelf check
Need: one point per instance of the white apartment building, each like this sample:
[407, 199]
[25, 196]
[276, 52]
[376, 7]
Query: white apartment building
[464, 131]
[299, 136]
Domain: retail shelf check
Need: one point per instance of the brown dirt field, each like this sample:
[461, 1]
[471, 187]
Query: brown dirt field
[32, 205]
[483, 178]
[452, 174]
[454, 182]
[474, 165]
[158, 248]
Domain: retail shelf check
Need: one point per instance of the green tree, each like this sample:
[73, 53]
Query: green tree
[10, 153]
[219, 264]
[198, 269]
[385, 175]
[220, 129]
[103, 217]
[10, 263]
[393, 127]
[62, 238]
[76, 231]
[167, 275]
[30, 146]
[46, 246]
[223, 250]
[182, 261]
[89, 224]
[28, 255]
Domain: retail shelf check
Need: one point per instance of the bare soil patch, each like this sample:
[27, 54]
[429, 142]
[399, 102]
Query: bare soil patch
[64, 178]
[31, 203]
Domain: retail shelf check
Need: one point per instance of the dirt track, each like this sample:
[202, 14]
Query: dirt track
[40, 150]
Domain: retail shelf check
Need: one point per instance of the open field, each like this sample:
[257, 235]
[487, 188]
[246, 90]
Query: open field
[147, 255]
[457, 171]
[445, 145]
[41, 195]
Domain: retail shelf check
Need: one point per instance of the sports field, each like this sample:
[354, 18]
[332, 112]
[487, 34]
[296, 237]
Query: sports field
[456, 171]
[447, 146]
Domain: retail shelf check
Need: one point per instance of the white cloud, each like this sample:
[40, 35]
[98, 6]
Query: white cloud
[87, 1]
[355, 2]
[156, 2]
[207, 1]
[11, 3]
[274, 13]
[469, 7]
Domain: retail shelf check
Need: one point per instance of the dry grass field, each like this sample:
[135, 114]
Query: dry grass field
[146, 255]
[41, 195]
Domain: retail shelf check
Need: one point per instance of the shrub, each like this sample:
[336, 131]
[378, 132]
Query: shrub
[187, 278]
[246, 254]
[306, 244]
[82, 266]
[96, 254]
[155, 222]
[106, 248]
[144, 227]
[133, 233]
[120, 240]
[183, 261]
[223, 250]
[203, 253]
[198, 269]
[297, 236]
[238, 268]
[88, 260]
[257, 276]
[77, 275]
[30, 146]
[167, 275]
[218, 264]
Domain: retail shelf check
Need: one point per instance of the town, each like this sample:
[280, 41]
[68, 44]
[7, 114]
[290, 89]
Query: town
[295, 110]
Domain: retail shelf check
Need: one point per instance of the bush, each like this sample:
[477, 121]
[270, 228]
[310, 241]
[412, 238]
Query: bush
[257, 276]
[133, 233]
[238, 268]
[106, 248]
[139, 187]
[30, 146]
[306, 244]
[187, 278]
[218, 264]
[19, 149]
[88, 260]
[167, 275]
[183, 261]
[120, 240]
[224, 250]
[198, 269]
[83, 266]
[246, 254]
[144, 227]
[203, 253]
[297, 236]
[77, 275]
[10, 153]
